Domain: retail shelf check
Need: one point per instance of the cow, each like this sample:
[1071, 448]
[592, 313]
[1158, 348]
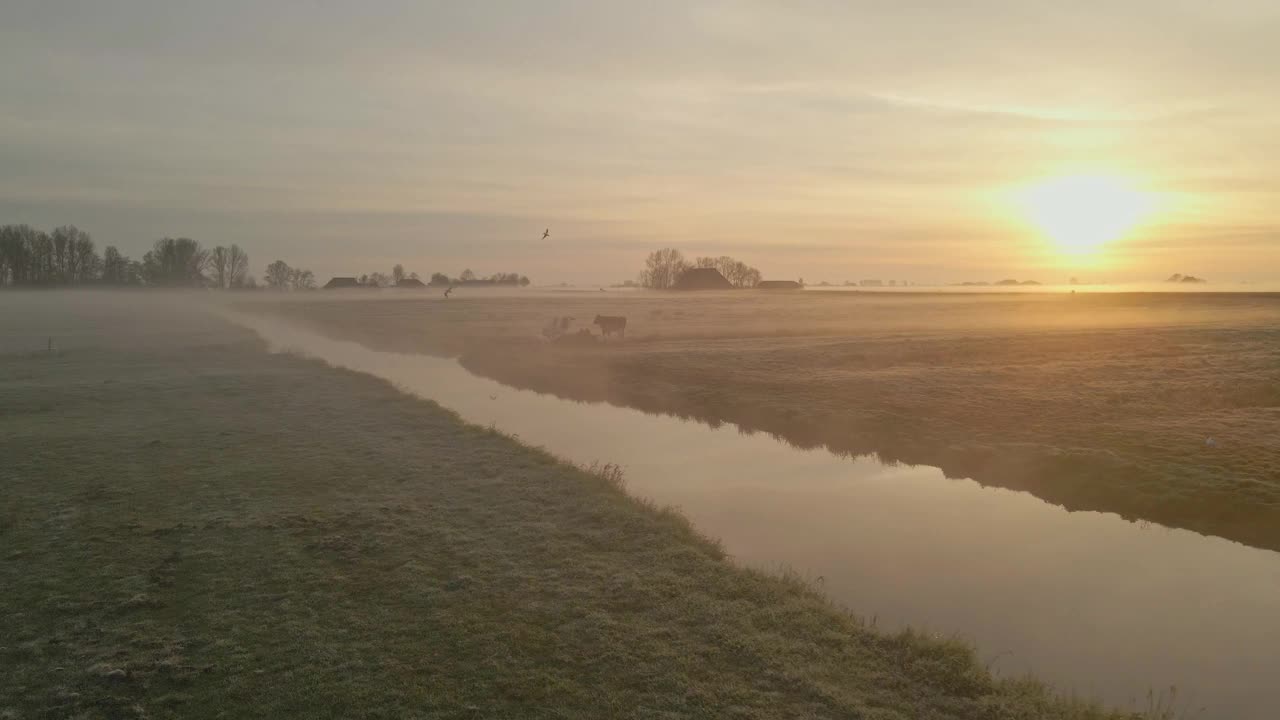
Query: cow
[610, 324]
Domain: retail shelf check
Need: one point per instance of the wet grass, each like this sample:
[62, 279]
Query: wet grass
[195, 528]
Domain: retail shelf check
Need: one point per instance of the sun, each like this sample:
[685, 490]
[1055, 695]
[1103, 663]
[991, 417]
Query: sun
[1082, 213]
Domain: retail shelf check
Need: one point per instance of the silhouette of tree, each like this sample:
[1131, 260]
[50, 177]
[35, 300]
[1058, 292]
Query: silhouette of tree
[219, 266]
[175, 263]
[237, 266]
[278, 276]
[302, 279]
[736, 272]
[228, 266]
[662, 268]
[18, 259]
[114, 266]
[397, 273]
[377, 279]
[467, 275]
[524, 281]
[438, 278]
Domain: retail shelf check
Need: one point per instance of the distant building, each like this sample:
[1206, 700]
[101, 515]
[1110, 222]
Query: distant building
[702, 279]
[871, 283]
[341, 282]
[410, 283]
[778, 285]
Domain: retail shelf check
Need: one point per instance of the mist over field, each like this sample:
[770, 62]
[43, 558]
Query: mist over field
[581, 359]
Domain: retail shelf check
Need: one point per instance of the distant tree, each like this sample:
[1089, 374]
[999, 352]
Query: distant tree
[364, 279]
[300, 279]
[228, 266]
[175, 263]
[87, 264]
[74, 259]
[662, 268]
[20, 260]
[43, 267]
[735, 271]
[743, 275]
[438, 278]
[61, 239]
[219, 266]
[413, 276]
[467, 275]
[279, 276]
[397, 273]
[114, 266]
[237, 266]
[524, 281]
[377, 279]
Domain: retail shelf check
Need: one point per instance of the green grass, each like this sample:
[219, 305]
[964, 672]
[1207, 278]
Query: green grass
[199, 529]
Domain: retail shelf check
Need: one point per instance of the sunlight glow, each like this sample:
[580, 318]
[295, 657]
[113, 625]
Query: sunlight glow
[1081, 213]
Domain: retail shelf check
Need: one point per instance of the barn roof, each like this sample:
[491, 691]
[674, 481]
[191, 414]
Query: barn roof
[701, 279]
[341, 282]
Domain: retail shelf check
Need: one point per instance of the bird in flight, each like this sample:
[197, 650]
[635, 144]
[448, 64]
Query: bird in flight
[546, 233]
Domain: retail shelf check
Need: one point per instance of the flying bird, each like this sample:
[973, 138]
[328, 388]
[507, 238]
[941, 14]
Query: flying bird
[546, 233]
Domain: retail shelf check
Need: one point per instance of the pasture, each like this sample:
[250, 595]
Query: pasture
[192, 527]
[1093, 401]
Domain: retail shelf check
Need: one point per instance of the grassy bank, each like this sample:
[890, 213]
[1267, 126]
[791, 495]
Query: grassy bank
[1094, 402]
[194, 528]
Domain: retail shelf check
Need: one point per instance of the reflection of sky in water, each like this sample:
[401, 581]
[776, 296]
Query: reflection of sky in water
[1087, 600]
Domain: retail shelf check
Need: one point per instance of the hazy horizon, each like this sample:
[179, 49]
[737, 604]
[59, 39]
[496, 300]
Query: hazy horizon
[811, 139]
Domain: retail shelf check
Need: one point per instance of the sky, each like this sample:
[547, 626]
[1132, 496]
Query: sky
[810, 138]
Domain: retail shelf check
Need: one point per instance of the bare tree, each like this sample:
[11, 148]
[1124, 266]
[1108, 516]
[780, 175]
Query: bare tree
[467, 275]
[175, 262]
[237, 266]
[301, 279]
[662, 268]
[397, 273]
[279, 276]
[736, 272]
[115, 267]
[219, 266]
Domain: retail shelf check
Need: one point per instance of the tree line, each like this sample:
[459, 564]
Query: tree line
[378, 279]
[468, 276]
[30, 257]
[663, 267]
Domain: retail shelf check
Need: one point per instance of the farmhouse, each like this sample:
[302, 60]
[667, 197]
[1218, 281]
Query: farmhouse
[410, 283]
[341, 282]
[701, 279]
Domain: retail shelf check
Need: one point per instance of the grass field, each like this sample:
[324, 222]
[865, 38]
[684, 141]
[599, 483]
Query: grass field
[191, 527]
[1092, 401]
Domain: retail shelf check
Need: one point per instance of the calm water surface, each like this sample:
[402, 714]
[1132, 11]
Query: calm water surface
[1100, 606]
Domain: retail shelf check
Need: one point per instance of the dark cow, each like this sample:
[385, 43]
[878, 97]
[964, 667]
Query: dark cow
[610, 324]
